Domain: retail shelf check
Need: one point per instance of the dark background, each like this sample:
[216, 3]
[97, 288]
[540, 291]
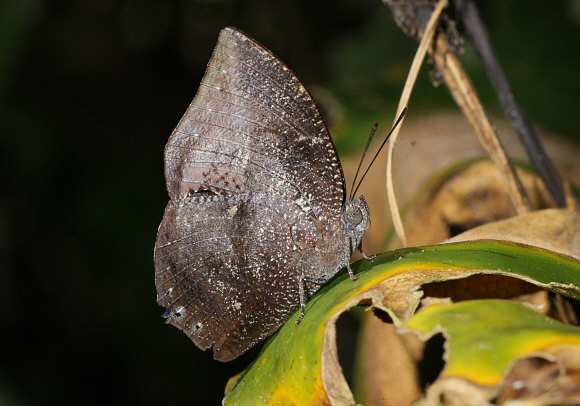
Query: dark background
[89, 93]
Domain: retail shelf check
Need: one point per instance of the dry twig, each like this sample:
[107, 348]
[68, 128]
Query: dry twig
[403, 102]
[466, 97]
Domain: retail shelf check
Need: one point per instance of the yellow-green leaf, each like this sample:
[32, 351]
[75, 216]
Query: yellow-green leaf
[298, 365]
[485, 336]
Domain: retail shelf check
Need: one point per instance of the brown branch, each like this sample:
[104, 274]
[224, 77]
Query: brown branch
[464, 94]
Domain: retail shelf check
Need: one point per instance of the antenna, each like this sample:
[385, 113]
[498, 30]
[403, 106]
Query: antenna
[379, 151]
[371, 135]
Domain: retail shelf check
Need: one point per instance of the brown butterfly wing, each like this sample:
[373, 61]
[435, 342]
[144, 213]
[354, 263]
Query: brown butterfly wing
[249, 160]
[229, 283]
[253, 127]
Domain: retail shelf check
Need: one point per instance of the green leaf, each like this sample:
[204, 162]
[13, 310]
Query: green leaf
[486, 336]
[298, 365]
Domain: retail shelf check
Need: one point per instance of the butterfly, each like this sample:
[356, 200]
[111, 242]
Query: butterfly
[258, 217]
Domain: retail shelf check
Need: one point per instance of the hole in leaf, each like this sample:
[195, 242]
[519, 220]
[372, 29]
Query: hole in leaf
[456, 229]
[382, 315]
[347, 334]
[431, 363]
[564, 309]
[479, 286]
[488, 286]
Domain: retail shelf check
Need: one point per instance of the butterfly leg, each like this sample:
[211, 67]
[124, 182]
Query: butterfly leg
[302, 293]
[350, 272]
[364, 254]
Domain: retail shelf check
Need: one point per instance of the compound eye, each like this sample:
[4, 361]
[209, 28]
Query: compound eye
[354, 215]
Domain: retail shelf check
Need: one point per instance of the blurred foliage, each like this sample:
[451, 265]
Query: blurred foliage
[89, 93]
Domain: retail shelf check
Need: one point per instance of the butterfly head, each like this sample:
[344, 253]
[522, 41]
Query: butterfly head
[356, 218]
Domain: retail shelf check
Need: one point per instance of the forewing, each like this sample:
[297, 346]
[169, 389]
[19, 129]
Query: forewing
[253, 127]
[227, 282]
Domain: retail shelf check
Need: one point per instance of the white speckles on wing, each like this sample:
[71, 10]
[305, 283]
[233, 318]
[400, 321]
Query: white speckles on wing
[257, 194]
[303, 203]
[232, 210]
[252, 104]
